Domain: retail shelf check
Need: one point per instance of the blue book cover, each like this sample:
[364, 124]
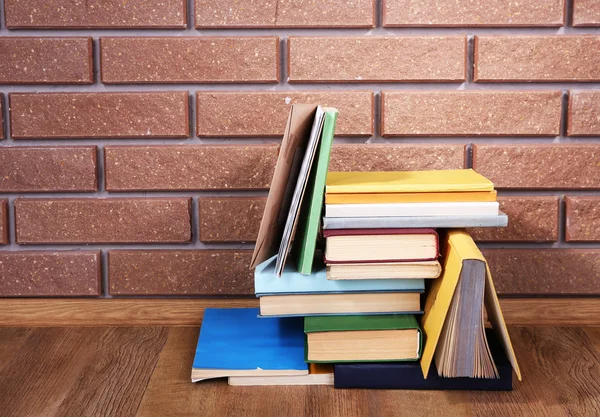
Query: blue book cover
[236, 342]
[292, 282]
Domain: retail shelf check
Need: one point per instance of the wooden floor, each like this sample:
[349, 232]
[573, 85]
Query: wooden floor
[141, 371]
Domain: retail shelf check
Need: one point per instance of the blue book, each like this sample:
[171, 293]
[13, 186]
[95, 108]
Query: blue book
[266, 282]
[236, 342]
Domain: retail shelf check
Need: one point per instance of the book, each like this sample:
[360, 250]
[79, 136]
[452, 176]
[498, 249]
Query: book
[447, 222]
[310, 217]
[380, 245]
[439, 303]
[285, 176]
[489, 208]
[236, 342]
[373, 198]
[318, 374]
[408, 375]
[292, 282]
[291, 223]
[457, 180]
[378, 271]
[372, 338]
[340, 304]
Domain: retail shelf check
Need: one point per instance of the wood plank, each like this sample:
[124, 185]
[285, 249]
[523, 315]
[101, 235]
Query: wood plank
[170, 390]
[594, 334]
[561, 376]
[80, 372]
[188, 312]
[11, 340]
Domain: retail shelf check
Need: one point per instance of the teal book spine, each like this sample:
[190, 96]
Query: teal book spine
[306, 238]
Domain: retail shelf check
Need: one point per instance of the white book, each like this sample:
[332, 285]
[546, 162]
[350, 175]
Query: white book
[412, 209]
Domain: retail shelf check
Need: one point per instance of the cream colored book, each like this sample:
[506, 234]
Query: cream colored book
[489, 208]
[321, 304]
[392, 270]
[319, 374]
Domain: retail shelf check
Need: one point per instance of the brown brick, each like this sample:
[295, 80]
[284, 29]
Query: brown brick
[110, 14]
[112, 220]
[530, 219]
[190, 60]
[545, 271]
[46, 60]
[230, 219]
[49, 273]
[539, 166]
[548, 58]
[3, 222]
[451, 13]
[189, 167]
[180, 272]
[491, 113]
[48, 168]
[586, 13]
[392, 157]
[99, 115]
[284, 13]
[584, 113]
[382, 59]
[583, 218]
[1, 116]
[265, 113]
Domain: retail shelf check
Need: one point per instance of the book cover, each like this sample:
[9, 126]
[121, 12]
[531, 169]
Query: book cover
[373, 198]
[293, 282]
[380, 231]
[457, 180]
[236, 339]
[306, 238]
[460, 246]
[449, 222]
[293, 146]
[360, 322]
[408, 375]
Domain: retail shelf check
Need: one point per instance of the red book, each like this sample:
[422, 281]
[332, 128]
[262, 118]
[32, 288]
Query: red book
[346, 246]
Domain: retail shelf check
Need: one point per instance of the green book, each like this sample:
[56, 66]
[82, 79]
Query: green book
[362, 338]
[305, 241]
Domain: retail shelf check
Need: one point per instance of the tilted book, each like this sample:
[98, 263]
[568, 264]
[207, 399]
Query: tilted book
[305, 242]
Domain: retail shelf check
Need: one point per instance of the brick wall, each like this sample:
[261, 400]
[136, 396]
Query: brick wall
[139, 138]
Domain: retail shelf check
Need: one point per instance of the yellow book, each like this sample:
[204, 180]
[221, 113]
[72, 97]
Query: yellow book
[453, 197]
[459, 247]
[458, 180]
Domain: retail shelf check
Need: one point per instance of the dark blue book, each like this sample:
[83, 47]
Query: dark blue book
[409, 375]
[236, 342]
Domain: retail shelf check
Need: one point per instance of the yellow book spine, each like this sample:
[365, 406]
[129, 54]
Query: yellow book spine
[411, 197]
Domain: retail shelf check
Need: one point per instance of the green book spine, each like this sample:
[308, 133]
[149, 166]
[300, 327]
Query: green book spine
[306, 238]
[360, 322]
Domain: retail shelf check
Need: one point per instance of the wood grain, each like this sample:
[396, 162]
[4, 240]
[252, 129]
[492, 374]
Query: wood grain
[594, 334]
[188, 312]
[80, 372]
[145, 372]
[11, 340]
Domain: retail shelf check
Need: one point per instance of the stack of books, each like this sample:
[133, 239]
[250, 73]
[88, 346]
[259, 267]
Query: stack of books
[341, 294]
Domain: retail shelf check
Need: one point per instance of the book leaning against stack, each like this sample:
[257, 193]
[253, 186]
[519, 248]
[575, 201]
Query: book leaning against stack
[340, 266]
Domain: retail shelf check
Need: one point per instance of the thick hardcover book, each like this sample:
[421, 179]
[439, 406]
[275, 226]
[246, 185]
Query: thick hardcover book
[408, 375]
[292, 282]
[356, 338]
[441, 304]
[380, 245]
[373, 198]
[446, 222]
[458, 180]
[484, 208]
[236, 342]
[310, 218]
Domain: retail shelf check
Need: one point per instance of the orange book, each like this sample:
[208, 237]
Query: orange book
[367, 198]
